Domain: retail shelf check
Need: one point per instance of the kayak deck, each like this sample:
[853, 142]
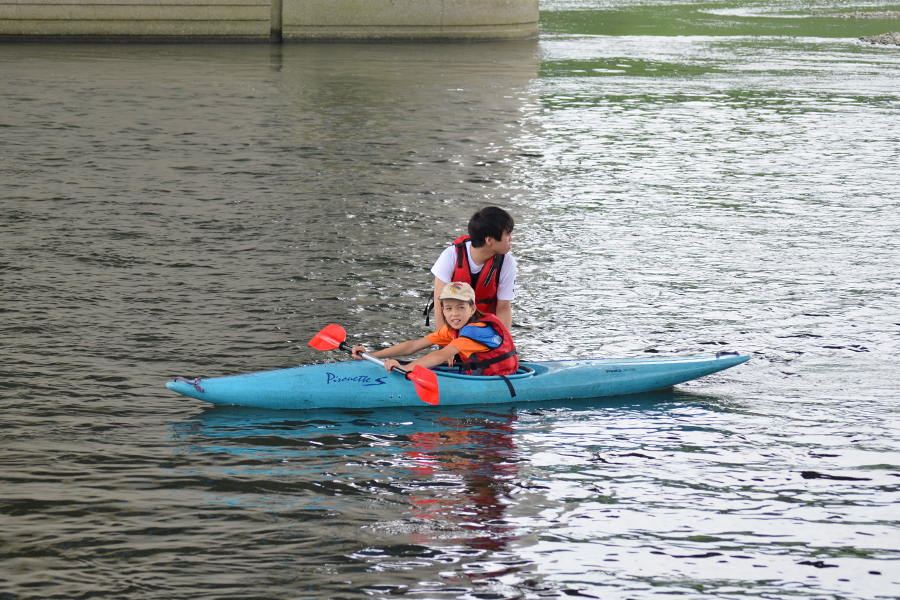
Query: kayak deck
[360, 384]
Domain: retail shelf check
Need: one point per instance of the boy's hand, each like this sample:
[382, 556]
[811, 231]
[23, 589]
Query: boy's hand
[357, 350]
[390, 363]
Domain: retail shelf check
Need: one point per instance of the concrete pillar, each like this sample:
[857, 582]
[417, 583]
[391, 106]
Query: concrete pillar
[291, 20]
[275, 22]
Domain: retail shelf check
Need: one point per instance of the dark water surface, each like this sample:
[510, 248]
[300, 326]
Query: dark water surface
[204, 210]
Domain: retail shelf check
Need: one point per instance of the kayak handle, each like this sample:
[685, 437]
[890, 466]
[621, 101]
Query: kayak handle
[195, 383]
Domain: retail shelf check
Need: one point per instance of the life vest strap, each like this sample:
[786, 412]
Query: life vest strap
[496, 265]
[512, 390]
[480, 364]
[460, 254]
[428, 307]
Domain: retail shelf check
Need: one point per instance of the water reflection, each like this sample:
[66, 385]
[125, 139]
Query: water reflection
[476, 458]
[455, 497]
[454, 469]
[444, 479]
[402, 123]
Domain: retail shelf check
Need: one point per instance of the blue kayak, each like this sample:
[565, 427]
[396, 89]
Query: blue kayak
[361, 384]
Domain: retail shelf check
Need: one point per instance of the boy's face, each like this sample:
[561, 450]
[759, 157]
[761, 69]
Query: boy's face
[503, 245]
[457, 312]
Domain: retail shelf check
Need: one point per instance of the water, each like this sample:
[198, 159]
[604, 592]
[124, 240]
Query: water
[204, 210]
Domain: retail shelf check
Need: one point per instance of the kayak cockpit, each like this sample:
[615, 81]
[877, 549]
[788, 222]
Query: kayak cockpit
[523, 372]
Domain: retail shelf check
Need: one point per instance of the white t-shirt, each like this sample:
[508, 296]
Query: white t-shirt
[445, 266]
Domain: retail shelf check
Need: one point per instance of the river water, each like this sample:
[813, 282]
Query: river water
[203, 210]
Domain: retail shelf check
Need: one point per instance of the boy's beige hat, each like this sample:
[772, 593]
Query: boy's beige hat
[458, 290]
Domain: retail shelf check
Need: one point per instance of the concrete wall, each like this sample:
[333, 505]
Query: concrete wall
[135, 18]
[295, 20]
[410, 19]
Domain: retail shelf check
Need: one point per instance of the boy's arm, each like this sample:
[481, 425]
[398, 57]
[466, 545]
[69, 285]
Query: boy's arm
[401, 349]
[432, 359]
[438, 313]
[504, 313]
[506, 291]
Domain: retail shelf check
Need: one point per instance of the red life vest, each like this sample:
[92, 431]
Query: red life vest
[502, 360]
[486, 289]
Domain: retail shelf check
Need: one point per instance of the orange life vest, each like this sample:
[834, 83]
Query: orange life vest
[502, 360]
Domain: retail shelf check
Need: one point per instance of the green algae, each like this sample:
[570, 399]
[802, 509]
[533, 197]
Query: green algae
[713, 19]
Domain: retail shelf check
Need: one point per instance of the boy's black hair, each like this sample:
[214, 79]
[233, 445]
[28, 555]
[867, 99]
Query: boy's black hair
[490, 221]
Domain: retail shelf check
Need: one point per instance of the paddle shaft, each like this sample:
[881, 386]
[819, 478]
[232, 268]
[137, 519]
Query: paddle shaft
[346, 347]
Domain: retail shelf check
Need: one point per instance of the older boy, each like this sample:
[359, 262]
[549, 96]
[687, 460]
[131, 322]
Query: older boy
[482, 260]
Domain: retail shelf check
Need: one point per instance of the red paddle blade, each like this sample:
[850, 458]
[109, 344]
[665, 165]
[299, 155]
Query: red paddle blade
[426, 384]
[329, 338]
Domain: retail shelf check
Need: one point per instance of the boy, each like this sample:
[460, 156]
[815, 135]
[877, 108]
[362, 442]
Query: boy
[482, 342]
[481, 259]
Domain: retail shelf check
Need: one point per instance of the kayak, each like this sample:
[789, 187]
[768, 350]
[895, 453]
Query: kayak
[361, 384]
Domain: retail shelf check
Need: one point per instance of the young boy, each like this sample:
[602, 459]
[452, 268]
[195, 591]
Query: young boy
[482, 342]
[482, 260]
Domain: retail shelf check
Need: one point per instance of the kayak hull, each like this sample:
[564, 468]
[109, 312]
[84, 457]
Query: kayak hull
[361, 384]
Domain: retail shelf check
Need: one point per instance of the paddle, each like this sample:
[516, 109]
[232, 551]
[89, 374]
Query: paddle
[425, 381]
